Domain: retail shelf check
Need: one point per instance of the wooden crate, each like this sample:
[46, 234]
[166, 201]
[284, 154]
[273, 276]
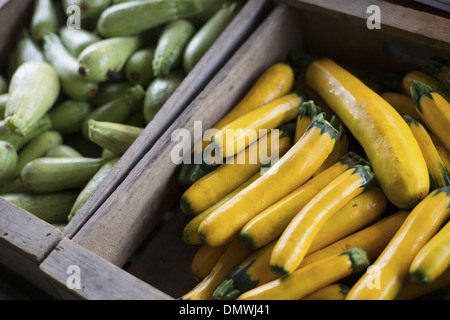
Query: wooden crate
[15, 15]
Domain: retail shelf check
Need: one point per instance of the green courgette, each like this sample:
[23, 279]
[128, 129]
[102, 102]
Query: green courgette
[19, 141]
[37, 148]
[68, 116]
[91, 186]
[117, 110]
[76, 40]
[8, 161]
[159, 91]
[63, 151]
[45, 175]
[105, 59]
[207, 35]
[139, 68]
[133, 17]
[66, 65]
[44, 19]
[33, 90]
[50, 207]
[115, 137]
[26, 49]
[88, 8]
[171, 44]
[109, 91]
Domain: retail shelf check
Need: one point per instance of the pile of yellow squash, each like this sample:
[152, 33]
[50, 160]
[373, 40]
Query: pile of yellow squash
[355, 205]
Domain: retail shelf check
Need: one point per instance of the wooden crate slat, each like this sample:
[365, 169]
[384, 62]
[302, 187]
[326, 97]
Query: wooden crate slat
[98, 279]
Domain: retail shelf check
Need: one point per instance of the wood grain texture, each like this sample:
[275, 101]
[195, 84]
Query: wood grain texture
[424, 28]
[25, 241]
[127, 216]
[13, 16]
[232, 37]
[99, 280]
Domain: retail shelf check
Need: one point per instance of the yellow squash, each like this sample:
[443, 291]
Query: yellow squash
[391, 149]
[373, 239]
[290, 172]
[204, 261]
[416, 75]
[306, 280]
[359, 212]
[402, 103]
[393, 263]
[298, 236]
[439, 174]
[340, 149]
[308, 111]
[274, 83]
[240, 133]
[438, 68]
[233, 254]
[434, 110]
[190, 231]
[270, 223]
[215, 185]
[336, 291]
[433, 259]
[412, 290]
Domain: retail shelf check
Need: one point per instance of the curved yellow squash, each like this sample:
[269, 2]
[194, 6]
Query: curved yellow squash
[215, 185]
[391, 149]
[433, 259]
[434, 110]
[298, 236]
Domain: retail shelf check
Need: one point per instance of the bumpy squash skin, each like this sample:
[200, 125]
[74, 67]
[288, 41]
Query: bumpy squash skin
[394, 154]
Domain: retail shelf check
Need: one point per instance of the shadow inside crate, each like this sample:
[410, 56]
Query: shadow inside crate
[164, 259]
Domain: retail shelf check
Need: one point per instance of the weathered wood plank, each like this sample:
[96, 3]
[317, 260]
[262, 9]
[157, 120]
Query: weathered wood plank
[98, 279]
[25, 241]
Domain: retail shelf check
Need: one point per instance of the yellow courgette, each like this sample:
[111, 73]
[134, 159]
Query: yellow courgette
[204, 261]
[190, 231]
[359, 212]
[233, 254]
[275, 82]
[290, 172]
[270, 223]
[438, 68]
[336, 291]
[434, 110]
[308, 111]
[215, 185]
[393, 263]
[240, 133]
[391, 149]
[416, 75]
[296, 239]
[433, 259]
[402, 103]
[306, 280]
[439, 174]
[412, 290]
[340, 149]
